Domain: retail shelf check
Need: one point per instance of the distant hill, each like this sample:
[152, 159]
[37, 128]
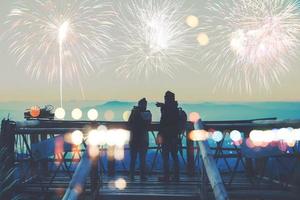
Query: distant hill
[207, 110]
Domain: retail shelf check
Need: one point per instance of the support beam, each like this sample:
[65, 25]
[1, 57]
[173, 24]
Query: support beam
[211, 168]
[77, 183]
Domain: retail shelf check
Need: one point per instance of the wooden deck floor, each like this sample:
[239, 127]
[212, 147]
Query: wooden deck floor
[187, 189]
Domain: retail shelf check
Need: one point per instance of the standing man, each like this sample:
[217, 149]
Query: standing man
[169, 134]
[139, 121]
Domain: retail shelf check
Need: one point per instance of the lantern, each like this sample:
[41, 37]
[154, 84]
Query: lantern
[35, 111]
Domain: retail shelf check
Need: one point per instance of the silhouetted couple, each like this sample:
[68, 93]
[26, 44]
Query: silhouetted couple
[172, 124]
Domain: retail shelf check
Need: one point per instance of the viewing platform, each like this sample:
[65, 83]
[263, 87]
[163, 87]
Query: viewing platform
[208, 169]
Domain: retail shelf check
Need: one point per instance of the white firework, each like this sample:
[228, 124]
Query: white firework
[252, 41]
[154, 37]
[59, 39]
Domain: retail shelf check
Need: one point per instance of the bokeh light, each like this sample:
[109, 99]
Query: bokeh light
[76, 114]
[93, 151]
[194, 117]
[296, 133]
[120, 184]
[92, 114]
[117, 137]
[284, 134]
[199, 135]
[249, 143]
[60, 113]
[126, 115]
[77, 137]
[93, 138]
[203, 39]
[78, 189]
[35, 111]
[235, 136]
[192, 21]
[217, 136]
[102, 134]
[119, 153]
[111, 137]
[109, 115]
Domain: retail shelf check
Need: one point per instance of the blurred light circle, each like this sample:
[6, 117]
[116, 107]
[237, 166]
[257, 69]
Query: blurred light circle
[198, 135]
[119, 153]
[238, 143]
[35, 111]
[109, 115]
[284, 134]
[93, 151]
[249, 143]
[217, 136]
[120, 184]
[126, 115]
[111, 137]
[77, 137]
[121, 137]
[194, 117]
[76, 114]
[257, 138]
[268, 136]
[254, 135]
[93, 138]
[203, 39]
[102, 135]
[296, 134]
[60, 113]
[235, 136]
[192, 21]
[92, 114]
[102, 128]
[275, 135]
[78, 189]
[291, 143]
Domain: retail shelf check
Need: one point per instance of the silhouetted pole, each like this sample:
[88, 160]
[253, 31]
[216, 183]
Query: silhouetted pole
[190, 150]
[110, 161]
[211, 168]
[7, 140]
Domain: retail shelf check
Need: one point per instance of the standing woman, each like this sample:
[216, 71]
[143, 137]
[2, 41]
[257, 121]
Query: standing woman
[139, 121]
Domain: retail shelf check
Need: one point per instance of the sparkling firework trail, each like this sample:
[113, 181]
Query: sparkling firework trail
[252, 41]
[59, 38]
[154, 37]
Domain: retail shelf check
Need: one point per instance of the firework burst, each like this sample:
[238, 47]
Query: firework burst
[59, 38]
[252, 41]
[154, 37]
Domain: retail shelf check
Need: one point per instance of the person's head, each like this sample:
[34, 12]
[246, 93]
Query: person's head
[169, 97]
[142, 104]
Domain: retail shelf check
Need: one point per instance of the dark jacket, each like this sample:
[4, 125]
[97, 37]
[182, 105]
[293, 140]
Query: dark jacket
[169, 121]
[138, 128]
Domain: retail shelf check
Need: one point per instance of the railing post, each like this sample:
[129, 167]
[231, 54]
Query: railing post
[7, 140]
[94, 176]
[44, 162]
[190, 151]
[33, 140]
[110, 161]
